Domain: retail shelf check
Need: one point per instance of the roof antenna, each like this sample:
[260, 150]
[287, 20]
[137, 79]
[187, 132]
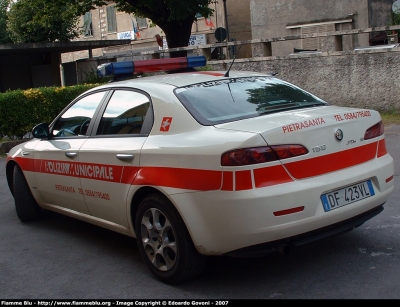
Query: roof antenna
[234, 58]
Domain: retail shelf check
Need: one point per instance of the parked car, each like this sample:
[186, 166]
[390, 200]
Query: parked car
[204, 163]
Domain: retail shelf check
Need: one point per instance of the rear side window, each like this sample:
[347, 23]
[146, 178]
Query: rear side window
[125, 113]
[228, 100]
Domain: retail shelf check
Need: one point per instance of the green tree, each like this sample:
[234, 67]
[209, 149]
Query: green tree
[52, 20]
[57, 20]
[32, 21]
[4, 37]
[396, 19]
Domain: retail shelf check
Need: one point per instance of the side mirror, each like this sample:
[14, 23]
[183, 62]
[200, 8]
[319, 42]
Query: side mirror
[41, 131]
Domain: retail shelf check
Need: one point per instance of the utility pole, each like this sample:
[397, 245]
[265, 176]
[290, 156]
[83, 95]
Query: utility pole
[227, 28]
[226, 21]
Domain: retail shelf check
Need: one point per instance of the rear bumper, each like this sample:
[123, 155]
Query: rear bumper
[288, 244]
[221, 222]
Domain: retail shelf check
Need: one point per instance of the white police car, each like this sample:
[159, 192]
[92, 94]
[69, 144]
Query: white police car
[207, 163]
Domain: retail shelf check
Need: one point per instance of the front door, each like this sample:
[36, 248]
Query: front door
[57, 160]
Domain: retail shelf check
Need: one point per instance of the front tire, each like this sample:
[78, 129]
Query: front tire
[25, 204]
[164, 242]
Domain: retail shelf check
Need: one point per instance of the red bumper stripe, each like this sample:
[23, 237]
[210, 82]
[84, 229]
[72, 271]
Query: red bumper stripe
[268, 176]
[243, 180]
[382, 148]
[332, 162]
[227, 184]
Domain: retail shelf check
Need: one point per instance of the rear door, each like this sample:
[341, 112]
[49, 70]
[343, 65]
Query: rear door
[111, 156]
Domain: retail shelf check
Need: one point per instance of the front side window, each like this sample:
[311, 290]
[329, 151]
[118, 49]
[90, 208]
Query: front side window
[75, 121]
[228, 100]
[125, 113]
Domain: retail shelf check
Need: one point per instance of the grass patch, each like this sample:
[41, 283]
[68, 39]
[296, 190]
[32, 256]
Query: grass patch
[390, 118]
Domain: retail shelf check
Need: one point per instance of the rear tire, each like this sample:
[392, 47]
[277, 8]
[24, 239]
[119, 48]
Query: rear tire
[164, 242]
[25, 204]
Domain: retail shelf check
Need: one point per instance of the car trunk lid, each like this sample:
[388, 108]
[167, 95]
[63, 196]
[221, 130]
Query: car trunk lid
[334, 137]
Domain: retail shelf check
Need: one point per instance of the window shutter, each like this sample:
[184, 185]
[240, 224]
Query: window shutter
[314, 43]
[111, 19]
[309, 43]
[87, 24]
[141, 22]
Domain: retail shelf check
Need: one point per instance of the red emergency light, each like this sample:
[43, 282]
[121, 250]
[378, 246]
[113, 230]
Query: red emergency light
[139, 67]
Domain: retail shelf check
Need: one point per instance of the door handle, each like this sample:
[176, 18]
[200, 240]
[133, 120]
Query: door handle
[71, 154]
[25, 153]
[125, 157]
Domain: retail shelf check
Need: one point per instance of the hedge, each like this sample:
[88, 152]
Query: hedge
[21, 110]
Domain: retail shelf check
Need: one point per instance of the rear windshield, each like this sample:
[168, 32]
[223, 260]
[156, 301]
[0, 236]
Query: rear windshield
[228, 100]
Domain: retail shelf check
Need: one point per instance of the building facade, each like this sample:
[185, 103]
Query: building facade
[276, 18]
[244, 20]
[107, 23]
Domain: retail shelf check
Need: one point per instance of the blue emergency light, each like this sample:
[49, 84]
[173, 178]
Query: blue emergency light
[138, 67]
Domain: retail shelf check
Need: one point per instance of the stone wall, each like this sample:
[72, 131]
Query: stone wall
[366, 78]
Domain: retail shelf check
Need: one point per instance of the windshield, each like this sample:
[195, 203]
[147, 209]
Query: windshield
[227, 100]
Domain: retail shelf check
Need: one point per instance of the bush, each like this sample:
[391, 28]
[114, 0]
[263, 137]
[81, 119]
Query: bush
[21, 110]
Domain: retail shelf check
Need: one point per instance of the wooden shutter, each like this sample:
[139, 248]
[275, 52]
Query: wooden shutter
[141, 22]
[315, 43]
[87, 24]
[111, 19]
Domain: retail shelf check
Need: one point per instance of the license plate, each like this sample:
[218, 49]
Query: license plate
[347, 195]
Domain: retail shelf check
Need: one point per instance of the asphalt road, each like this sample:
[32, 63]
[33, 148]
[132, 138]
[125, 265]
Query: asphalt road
[61, 258]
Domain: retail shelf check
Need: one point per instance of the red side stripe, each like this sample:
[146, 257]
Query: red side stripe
[206, 180]
[191, 179]
[129, 174]
[36, 165]
[332, 162]
[243, 180]
[94, 171]
[26, 164]
[267, 176]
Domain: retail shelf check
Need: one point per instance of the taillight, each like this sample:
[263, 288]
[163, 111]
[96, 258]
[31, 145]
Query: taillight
[374, 131]
[256, 155]
[289, 151]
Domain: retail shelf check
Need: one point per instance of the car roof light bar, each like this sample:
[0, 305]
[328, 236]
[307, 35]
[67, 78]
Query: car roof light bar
[138, 67]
